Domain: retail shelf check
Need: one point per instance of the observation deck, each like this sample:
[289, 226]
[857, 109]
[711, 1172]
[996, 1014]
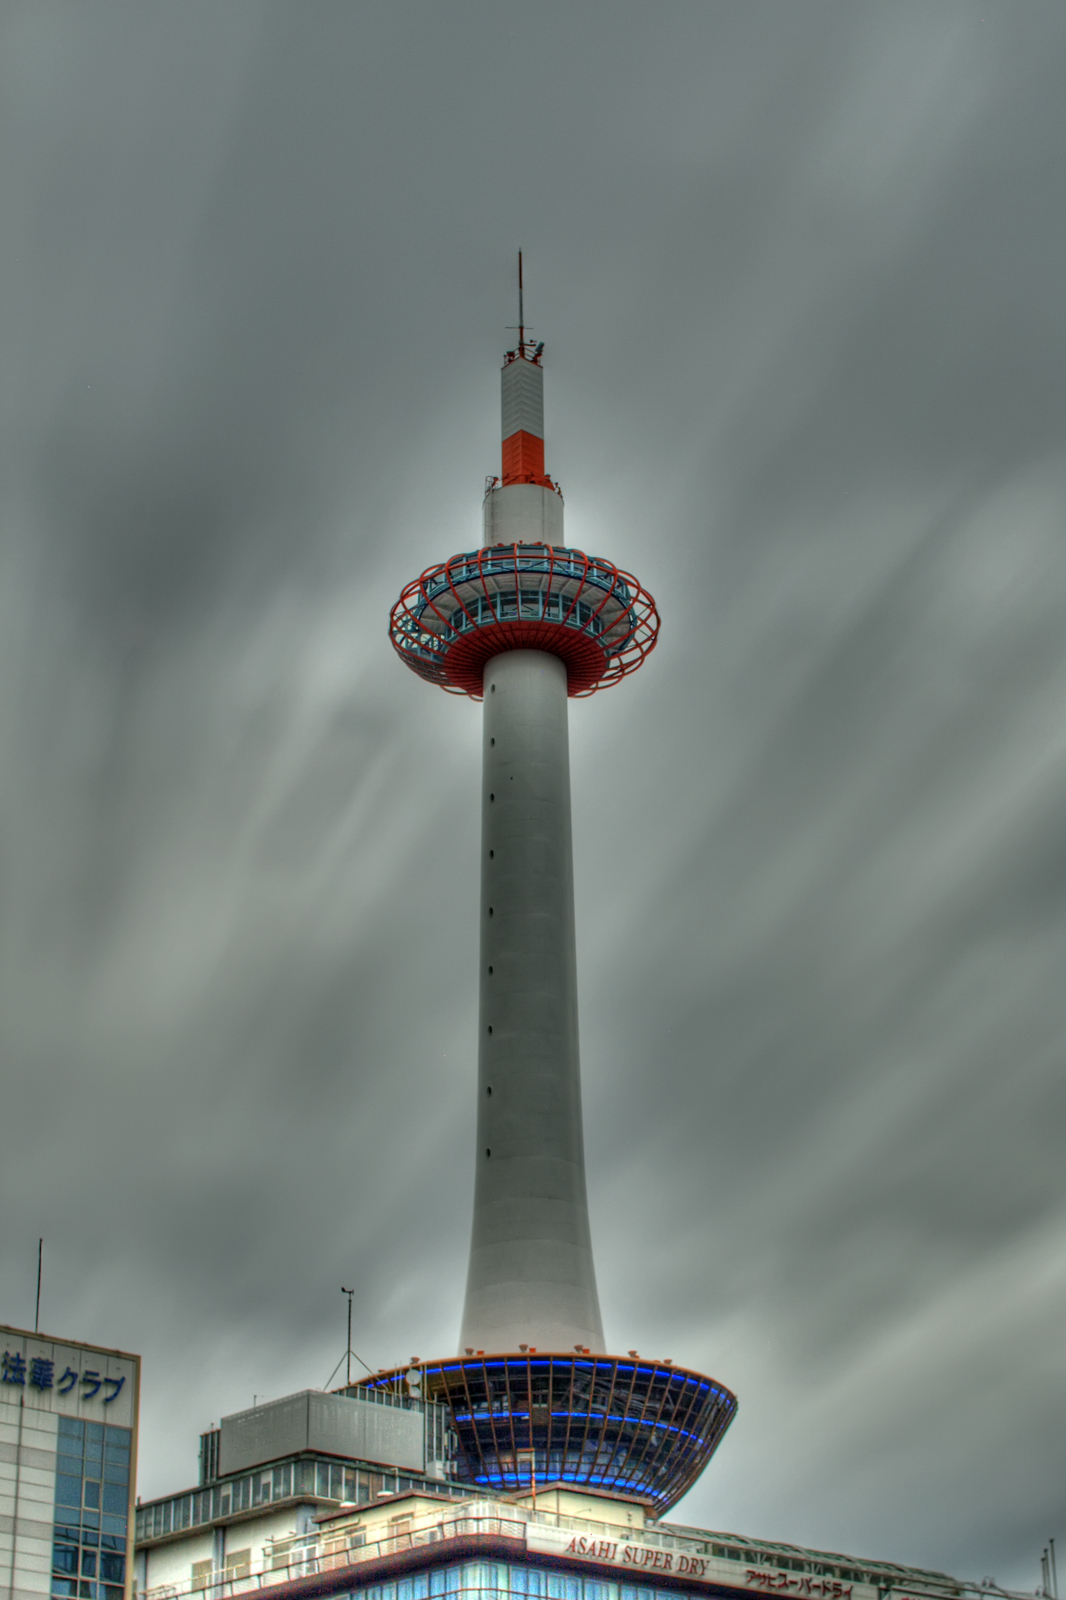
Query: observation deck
[623, 1425]
[453, 619]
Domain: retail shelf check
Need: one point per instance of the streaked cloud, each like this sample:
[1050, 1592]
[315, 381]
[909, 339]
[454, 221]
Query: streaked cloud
[800, 274]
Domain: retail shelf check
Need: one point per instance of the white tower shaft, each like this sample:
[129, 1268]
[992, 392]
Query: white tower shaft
[531, 1278]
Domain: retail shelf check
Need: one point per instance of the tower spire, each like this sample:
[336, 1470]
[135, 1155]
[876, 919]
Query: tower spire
[522, 418]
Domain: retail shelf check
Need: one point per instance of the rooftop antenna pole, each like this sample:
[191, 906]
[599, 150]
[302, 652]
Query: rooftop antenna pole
[37, 1314]
[348, 1352]
[1054, 1569]
[521, 312]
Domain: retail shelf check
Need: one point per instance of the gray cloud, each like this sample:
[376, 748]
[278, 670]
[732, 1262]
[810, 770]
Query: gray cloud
[799, 269]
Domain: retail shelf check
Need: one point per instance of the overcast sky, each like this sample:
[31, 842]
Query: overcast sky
[801, 270]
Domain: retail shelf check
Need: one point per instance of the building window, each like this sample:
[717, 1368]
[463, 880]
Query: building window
[238, 1563]
[91, 1505]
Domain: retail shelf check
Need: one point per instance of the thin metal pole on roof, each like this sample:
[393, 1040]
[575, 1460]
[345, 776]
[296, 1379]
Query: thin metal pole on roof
[37, 1313]
[348, 1352]
[1054, 1569]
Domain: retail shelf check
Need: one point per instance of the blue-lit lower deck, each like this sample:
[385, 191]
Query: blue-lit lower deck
[628, 1426]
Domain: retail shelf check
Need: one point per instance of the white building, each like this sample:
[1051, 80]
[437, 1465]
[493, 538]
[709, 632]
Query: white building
[68, 1466]
[563, 1543]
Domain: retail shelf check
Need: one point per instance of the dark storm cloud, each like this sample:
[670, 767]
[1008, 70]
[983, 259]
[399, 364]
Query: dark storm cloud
[799, 269]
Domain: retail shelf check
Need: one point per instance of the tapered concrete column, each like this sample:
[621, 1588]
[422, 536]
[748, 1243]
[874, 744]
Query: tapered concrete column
[531, 1277]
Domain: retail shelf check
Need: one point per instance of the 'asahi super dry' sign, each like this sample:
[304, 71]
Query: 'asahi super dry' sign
[649, 1562]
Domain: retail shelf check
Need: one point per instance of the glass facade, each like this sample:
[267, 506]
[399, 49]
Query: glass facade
[634, 1427]
[305, 1478]
[502, 1580]
[91, 1510]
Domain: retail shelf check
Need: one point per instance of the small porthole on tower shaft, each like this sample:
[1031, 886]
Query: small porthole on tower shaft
[492, 688]
[488, 1153]
[488, 1091]
[490, 1027]
[492, 741]
[490, 911]
[492, 797]
[490, 972]
[492, 854]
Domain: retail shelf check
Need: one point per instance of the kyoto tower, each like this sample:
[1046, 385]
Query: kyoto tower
[523, 624]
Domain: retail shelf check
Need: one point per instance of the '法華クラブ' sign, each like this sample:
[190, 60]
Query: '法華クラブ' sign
[71, 1379]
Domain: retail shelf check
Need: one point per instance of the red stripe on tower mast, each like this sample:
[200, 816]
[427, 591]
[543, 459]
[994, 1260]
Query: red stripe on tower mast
[522, 395]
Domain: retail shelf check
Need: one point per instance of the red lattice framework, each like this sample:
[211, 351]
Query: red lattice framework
[453, 619]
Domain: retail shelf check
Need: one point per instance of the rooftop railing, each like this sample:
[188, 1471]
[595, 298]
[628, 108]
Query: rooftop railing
[310, 1555]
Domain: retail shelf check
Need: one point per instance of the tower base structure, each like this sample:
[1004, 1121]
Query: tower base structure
[620, 1425]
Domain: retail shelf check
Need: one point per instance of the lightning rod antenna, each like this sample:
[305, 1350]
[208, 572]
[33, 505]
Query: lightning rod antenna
[349, 1352]
[521, 312]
